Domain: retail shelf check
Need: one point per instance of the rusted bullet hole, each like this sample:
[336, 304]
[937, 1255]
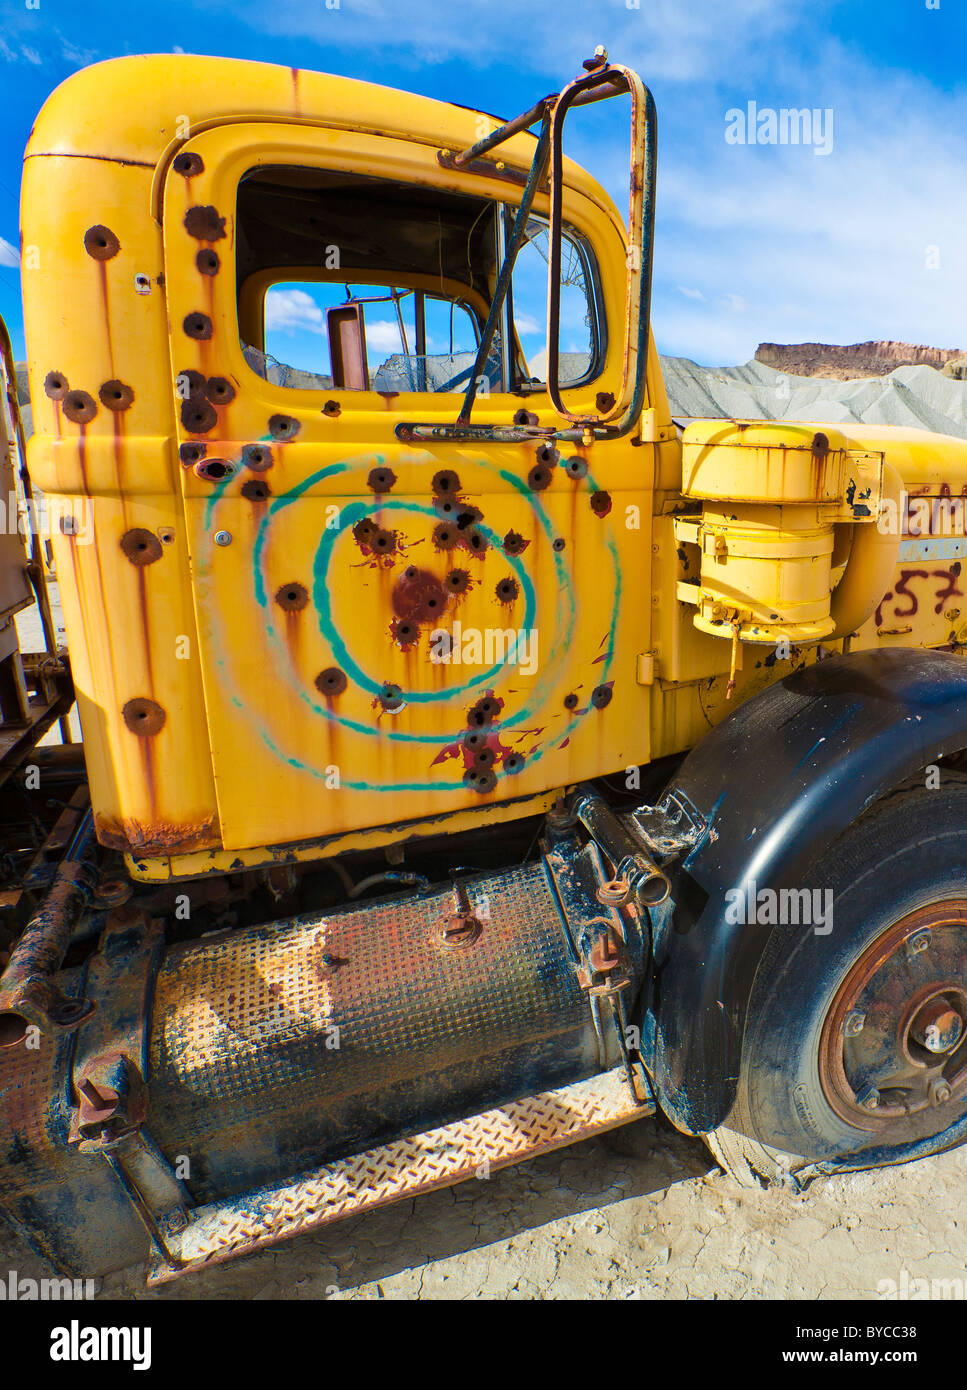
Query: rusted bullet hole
[601, 696]
[514, 763]
[444, 506]
[207, 261]
[514, 543]
[474, 741]
[331, 681]
[525, 417]
[79, 407]
[214, 470]
[116, 395]
[558, 543]
[538, 478]
[576, 467]
[468, 517]
[363, 530]
[204, 223]
[445, 537]
[820, 445]
[391, 697]
[418, 595]
[332, 409]
[142, 547]
[188, 164]
[458, 581]
[482, 782]
[292, 597]
[381, 479]
[198, 417]
[55, 385]
[548, 455]
[445, 482]
[571, 701]
[255, 490]
[484, 712]
[143, 716]
[382, 541]
[604, 400]
[484, 758]
[101, 243]
[193, 381]
[601, 503]
[219, 391]
[191, 453]
[476, 541]
[257, 457]
[283, 427]
[404, 632]
[197, 326]
[507, 590]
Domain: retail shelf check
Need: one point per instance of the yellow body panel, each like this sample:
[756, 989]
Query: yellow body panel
[209, 742]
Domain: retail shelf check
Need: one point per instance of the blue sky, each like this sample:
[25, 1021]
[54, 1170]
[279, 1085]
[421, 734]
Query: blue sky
[755, 241]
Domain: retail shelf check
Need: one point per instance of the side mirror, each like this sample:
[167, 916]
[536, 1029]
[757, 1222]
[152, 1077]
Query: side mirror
[604, 82]
[347, 347]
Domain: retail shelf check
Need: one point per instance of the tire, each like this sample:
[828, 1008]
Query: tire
[834, 1019]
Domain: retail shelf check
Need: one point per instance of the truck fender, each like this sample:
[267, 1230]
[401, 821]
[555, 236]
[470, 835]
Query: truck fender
[776, 782]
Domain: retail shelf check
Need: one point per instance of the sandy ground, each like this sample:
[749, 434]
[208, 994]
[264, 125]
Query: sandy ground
[639, 1214]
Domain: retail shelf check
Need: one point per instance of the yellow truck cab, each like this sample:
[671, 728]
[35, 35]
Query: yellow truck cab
[378, 654]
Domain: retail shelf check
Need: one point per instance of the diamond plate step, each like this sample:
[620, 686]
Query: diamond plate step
[439, 1157]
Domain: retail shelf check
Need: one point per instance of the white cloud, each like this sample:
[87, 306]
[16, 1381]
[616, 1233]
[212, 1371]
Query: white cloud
[527, 325]
[690, 294]
[288, 310]
[9, 255]
[383, 335]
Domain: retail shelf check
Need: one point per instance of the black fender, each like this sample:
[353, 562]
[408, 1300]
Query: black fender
[777, 782]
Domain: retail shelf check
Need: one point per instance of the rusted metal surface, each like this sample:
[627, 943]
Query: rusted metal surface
[439, 1157]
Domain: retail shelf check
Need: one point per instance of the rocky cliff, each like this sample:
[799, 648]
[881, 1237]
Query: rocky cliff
[847, 363]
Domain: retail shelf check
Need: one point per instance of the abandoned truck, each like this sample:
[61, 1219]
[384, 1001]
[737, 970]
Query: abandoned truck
[475, 759]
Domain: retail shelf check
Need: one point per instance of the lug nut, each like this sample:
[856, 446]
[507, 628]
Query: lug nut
[868, 1098]
[939, 1092]
[854, 1024]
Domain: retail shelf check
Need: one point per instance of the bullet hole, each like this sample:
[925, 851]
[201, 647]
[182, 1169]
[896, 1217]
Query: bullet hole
[468, 516]
[283, 427]
[405, 632]
[576, 467]
[445, 537]
[332, 409]
[458, 581]
[391, 697]
[483, 781]
[188, 164]
[197, 326]
[484, 758]
[382, 542]
[445, 506]
[548, 456]
[445, 483]
[601, 696]
[475, 541]
[507, 590]
[257, 457]
[418, 596]
[143, 716]
[292, 597]
[204, 223]
[197, 416]
[381, 479]
[601, 503]
[207, 261]
[331, 681]
[474, 741]
[514, 543]
[571, 701]
[539, 478]
[820, 445]
[483, 713]
[214, 470]
[101, 243]
[604, 400]
[115, 395]
[255, 490]
[219, 391]
[191, 453]
[363, 531]
[514, 763]
[558, 544]
[55, 385]
[193, 381]
[525, 417]
[140, 546]
[79, 407]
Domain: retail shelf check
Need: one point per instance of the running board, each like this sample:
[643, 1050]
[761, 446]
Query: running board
[468, 1148]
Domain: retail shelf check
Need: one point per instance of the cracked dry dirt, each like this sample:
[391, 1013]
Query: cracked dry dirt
[642, 1213]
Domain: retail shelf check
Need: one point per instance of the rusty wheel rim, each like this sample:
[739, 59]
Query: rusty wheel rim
[894, 1041]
